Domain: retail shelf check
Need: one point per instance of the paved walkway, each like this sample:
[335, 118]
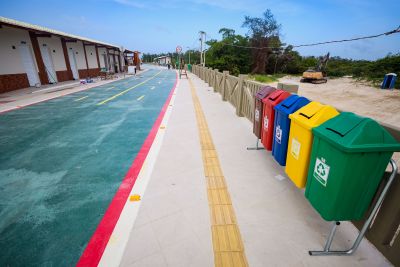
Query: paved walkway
[276, 223]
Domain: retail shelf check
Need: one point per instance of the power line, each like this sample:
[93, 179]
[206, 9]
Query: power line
[321, 43]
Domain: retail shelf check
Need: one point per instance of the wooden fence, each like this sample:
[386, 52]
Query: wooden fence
[385, 229]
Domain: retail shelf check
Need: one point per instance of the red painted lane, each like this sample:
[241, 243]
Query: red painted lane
[94, 250]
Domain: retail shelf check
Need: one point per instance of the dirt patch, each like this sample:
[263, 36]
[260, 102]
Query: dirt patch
[359, 97]
[348, 94]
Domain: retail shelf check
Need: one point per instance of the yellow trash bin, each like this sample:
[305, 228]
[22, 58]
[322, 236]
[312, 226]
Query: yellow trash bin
[301, 138]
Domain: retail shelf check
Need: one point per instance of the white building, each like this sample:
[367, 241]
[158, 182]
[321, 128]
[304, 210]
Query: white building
[163, 60]
[32, 55]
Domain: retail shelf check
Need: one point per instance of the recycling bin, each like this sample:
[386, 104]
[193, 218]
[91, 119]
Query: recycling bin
[349, 156]
[282, 125]
[301, 137]
[269, 103]
[258, 108]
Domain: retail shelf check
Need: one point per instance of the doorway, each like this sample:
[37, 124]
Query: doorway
[48, 63]
[105, 61]
[72, 63]
[111, 67]
[29, 64]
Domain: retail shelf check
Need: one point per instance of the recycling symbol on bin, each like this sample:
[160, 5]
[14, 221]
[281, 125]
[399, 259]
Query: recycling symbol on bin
[321, 171]
[278, 134]
[266, 123]
[257, 115]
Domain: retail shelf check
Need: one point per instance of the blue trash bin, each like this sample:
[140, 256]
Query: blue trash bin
[282, 125]
[389, 80]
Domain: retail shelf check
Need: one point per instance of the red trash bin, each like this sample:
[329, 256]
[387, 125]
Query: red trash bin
[268, 119]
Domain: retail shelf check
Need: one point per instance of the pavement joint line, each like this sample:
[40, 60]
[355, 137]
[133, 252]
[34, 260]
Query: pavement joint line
[127, 90]
[226, 238]
[140, 97]
[79, 99]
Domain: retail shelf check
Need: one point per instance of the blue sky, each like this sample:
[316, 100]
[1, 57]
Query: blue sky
[158, 26]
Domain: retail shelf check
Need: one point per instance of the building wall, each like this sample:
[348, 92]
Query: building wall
[102, 51]
[10, 37]
[56, 51]
[79, 54]
[12, 71]
[57, 55]
[91, 56]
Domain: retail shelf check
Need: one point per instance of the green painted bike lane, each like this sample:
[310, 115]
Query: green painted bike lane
[62, 161]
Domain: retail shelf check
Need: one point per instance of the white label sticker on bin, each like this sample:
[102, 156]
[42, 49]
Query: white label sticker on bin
[295, 150]
[321, 171]
[266, 123]
[278, 134]
[257, 115]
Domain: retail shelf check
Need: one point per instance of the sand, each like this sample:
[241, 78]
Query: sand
[348, 94]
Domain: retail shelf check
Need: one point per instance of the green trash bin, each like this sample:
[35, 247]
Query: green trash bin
[189, 66]
[349, 156]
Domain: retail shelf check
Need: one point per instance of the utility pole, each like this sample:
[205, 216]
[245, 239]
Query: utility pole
[204, 61]
[188, 52]
[202, 36]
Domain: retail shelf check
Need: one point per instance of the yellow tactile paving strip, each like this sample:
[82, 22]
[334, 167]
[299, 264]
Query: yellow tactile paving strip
[227, 241]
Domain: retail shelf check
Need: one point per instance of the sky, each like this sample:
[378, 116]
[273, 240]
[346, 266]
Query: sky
[159, 26]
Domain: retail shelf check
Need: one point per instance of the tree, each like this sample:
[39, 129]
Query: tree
[228, 54]
[263, 33]
[226, 33]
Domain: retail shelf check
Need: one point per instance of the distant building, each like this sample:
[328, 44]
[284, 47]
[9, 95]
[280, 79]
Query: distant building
[163, 60]
[32, 55]
[132, 58]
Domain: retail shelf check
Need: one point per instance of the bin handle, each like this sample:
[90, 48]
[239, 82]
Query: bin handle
[305, 115]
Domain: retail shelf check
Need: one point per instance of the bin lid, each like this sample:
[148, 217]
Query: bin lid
[264, 92]
[276, 96]
[291, 104]
[313, 114]
[352, 133]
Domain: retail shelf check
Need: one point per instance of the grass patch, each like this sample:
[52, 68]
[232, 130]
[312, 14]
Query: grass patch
[264, 78]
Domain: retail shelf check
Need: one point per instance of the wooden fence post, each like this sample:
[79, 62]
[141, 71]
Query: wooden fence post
[215, 81]
[225, 74]
[241, 89]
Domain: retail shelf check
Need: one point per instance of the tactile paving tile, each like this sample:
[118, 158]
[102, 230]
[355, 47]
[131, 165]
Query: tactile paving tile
[227, 242]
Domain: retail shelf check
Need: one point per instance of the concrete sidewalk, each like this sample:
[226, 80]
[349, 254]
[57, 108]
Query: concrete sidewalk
[277, 224]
